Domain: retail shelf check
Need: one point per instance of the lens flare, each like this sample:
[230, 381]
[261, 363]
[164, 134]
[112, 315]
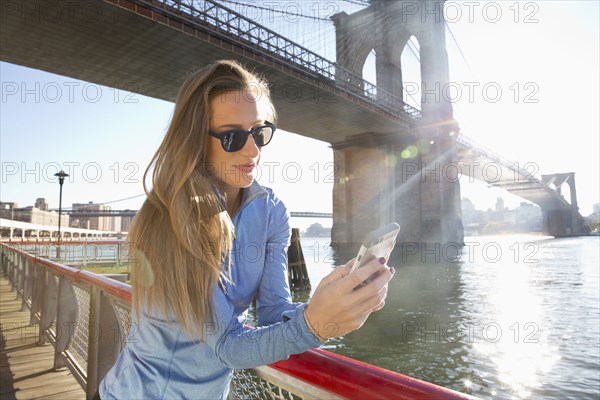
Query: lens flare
[409, 152]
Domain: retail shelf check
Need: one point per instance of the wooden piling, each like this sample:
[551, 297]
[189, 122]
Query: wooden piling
[297, 272]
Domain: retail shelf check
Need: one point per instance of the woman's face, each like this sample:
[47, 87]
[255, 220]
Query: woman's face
[234, 110]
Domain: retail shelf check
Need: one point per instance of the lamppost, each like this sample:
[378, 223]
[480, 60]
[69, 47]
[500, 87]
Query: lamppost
[61, 179]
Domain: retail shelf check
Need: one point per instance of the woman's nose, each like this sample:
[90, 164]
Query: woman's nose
[250, 148]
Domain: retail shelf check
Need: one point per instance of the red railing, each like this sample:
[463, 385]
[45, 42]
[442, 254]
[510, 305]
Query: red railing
[314, 373]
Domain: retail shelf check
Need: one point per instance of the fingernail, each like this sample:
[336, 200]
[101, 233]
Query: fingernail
[382, 260]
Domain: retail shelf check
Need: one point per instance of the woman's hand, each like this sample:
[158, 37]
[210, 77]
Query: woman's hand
[340, 304]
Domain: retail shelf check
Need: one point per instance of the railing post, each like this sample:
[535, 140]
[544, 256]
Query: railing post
[43, 290]
[118, 254]
[26, 283]
[13, 270]
[84, 254]
[49, 304]
[19, 282]
[94, 333]
[36, 294]
[66, 321]
[2, 259]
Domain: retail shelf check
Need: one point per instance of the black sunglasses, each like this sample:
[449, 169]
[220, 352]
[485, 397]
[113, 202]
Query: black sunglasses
[235, 139]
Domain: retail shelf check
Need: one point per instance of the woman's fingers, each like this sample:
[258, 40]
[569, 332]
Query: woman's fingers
[370, 300]
[369, 296]
[360, 275]
[349, 264]
[336, 302]
[335, 275]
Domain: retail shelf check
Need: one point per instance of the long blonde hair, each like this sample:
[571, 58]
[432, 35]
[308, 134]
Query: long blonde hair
[181, 235]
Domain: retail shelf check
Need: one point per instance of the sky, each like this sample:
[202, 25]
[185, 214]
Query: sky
[526, 86]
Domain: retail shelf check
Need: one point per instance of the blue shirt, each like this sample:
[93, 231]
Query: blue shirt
[160, 362]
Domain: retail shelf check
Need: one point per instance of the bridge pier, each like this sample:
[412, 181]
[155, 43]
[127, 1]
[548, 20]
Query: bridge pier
[406, 176]
[562, 222]
[383, 182]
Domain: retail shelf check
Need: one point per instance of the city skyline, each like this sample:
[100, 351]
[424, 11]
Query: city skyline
[92, 202]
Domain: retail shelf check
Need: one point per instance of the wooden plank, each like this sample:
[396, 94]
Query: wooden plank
[26, 369]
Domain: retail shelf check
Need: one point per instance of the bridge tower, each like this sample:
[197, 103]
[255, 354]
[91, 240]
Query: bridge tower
[408, 176]
[562, 222]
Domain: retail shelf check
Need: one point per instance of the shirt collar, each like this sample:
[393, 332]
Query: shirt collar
[255, 190]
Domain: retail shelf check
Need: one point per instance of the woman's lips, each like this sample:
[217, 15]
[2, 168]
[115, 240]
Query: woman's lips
[246, 168]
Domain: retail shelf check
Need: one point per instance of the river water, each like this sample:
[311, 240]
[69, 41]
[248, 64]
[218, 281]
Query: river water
[509, 317]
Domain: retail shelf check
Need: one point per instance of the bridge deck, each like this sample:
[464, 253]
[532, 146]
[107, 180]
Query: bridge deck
[132, 46]
[25, 367]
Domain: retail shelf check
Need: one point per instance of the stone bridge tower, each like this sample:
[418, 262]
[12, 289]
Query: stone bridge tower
[402, 176]
[562, 222]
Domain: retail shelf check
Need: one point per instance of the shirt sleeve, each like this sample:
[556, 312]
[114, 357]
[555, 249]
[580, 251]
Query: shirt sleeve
[240, 347]
[283, 330]
[273, 298]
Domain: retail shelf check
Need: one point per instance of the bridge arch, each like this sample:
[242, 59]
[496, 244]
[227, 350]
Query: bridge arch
[370, 66]
[410, 60]
[362, 52]
[390, 32]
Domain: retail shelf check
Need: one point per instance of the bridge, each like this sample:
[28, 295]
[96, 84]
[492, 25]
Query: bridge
[152, 44]
[560, 216]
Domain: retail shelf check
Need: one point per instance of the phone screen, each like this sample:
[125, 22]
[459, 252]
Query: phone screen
[377, 244]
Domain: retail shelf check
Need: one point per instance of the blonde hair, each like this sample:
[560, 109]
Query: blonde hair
[182, 234]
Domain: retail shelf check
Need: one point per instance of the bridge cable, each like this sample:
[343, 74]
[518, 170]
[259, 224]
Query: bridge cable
[106, 202]
[126, 198]
[275, 11]
[459, 49]
[284, 29]
[358, 2]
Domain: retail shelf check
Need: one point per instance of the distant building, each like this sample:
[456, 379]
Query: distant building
[41, 204]
[525, 218]
[7, 210]
[499, 204]
[317, 230]
[528, 211]
[471, 218]
[92, 222]
[529, 217]
[500, 214]
[126, 223]
[593, 220]
[34, 215]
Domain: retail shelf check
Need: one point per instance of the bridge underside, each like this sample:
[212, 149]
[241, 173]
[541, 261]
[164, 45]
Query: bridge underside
[145, 52]
[560, 218]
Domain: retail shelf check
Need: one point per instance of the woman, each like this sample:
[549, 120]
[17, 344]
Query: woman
[209, 240]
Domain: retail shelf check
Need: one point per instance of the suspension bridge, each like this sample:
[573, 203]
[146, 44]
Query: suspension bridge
[147, 46]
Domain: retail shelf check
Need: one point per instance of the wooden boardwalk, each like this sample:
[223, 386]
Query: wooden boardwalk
[26, 367]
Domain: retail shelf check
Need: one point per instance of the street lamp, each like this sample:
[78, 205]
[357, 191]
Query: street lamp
[61, 179]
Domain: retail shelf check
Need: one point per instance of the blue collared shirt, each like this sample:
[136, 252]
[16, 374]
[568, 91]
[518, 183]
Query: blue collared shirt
[160, 362]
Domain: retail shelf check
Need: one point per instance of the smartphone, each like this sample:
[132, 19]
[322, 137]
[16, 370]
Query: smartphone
[378, 243]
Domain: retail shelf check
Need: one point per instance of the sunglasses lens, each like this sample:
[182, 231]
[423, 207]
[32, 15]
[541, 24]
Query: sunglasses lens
[235, 140]
[227, 141]
[263, 136]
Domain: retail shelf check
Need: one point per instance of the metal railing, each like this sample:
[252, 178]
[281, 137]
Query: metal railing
[80, 313]
[220, 21]
[79, 253]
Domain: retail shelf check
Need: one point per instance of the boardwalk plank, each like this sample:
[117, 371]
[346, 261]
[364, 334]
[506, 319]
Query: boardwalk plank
[26, 369]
